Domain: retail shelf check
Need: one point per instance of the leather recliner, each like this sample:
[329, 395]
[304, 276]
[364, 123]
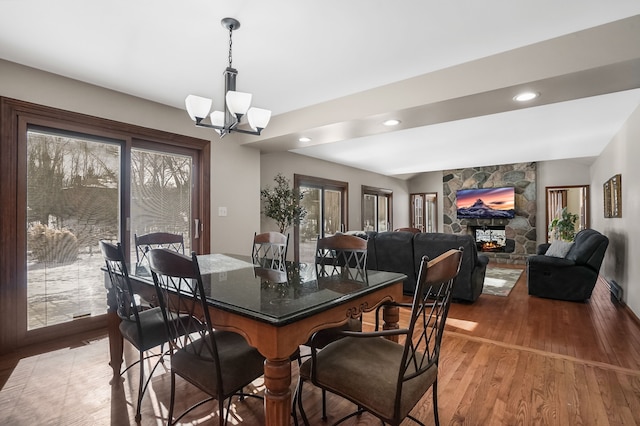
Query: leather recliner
[572, 277]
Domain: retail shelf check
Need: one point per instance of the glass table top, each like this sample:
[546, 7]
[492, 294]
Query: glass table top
[280, 294]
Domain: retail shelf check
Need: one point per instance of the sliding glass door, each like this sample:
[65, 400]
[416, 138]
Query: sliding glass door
[326, 204]
[69, 181]
[161, 195]
[377, 208]
[74, 200]
[423, 211]
[73, 190]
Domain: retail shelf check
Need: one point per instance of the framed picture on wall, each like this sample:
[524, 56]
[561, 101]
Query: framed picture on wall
[612, 191]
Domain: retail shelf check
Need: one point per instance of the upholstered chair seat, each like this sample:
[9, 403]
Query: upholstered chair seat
[154, 333]
[373, 384]
[190, 361]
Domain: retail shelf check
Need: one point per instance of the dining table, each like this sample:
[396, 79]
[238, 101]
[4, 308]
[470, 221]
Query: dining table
[276, 309]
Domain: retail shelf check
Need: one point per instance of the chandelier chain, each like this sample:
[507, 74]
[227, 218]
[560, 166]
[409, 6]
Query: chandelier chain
[230, 46]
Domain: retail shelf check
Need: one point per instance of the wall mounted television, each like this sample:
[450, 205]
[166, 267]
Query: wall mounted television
[486, 203]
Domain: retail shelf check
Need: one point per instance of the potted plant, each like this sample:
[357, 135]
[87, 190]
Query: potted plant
[282, 203]
[563, 227]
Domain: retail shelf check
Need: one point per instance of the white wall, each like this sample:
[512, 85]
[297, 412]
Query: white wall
[622, 260]
[235, 171]
[289, 164]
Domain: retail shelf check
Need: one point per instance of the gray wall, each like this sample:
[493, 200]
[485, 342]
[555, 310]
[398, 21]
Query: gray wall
[621, 261]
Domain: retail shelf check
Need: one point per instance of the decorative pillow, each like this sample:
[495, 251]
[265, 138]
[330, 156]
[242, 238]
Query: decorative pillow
[559, 248]
[360, 234]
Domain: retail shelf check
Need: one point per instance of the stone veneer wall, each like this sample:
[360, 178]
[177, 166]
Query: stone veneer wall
[521, 229]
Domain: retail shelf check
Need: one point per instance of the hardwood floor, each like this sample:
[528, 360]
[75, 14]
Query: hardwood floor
[515, 360]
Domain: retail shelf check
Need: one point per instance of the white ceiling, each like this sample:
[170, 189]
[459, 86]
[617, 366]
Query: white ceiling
[334, 69]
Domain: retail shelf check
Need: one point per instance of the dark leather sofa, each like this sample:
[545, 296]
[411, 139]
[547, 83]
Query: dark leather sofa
[572, 277]
[401, 251]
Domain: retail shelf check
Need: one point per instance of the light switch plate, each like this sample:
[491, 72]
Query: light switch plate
[222, 211]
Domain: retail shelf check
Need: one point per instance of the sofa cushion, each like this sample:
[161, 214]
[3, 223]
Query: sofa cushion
[469, 282]
[588, 248]
[393, 252]
[559, 249]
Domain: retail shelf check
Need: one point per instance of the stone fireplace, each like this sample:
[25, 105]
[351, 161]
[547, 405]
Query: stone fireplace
[519, 238]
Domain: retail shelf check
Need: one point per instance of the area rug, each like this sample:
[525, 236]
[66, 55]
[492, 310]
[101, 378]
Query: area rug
[500, 281]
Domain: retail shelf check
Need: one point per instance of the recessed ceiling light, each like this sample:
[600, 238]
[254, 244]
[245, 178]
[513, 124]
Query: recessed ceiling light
[392, 122]
[304, 139]
[526, 96]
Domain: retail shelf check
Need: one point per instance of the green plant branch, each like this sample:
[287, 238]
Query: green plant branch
[564, 227]
[282, 203]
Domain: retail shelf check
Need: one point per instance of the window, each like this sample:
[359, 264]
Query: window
[326, 204]
[161, 185]
[377, 209]
[423, 211]
[72, 202]
[73, 180]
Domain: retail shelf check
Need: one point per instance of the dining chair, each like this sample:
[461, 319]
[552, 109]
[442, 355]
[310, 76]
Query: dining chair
[345, 256]
[269, 249]
[147, 242]
[219, 363]
[341, 253]
[142, 326]
[380, 376]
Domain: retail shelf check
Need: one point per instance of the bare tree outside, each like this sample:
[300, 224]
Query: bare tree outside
[161, 194]
[72, 203]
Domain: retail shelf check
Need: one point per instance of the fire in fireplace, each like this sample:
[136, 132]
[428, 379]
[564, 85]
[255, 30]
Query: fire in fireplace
[490, 238]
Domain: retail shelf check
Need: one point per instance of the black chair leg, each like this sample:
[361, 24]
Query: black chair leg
[294, 412]
[435, 402]
[223, 416]
[173, 398]
[324, 405]
[141, 387]
[299, 401]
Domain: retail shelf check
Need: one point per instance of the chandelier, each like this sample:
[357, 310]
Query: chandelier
[236, 104]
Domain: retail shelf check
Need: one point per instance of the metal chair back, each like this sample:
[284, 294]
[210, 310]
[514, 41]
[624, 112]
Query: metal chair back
[145, 243]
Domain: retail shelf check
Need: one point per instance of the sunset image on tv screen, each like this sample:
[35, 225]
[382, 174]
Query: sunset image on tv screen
[485, 203]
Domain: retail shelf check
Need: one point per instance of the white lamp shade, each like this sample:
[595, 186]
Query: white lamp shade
[217, 119]
[238, 102]
[258, 118]
[197, 106]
